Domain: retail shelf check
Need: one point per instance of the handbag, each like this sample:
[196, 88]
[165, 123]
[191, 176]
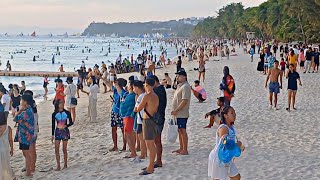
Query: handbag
[172, 132]
[73, 100]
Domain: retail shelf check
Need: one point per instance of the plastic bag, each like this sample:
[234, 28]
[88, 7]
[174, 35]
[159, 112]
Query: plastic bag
[172, 133]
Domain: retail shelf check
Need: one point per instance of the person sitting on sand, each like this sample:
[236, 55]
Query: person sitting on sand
[215, 169]
[215, 116]
[166, 82]
[274, 75]
[149, 103]
[199, 92]
[60, 131]
[61, 68]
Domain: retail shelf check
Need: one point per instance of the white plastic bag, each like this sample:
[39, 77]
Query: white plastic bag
[172, 133]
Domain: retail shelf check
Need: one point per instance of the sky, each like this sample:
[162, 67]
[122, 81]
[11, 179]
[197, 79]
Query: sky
[74, 16]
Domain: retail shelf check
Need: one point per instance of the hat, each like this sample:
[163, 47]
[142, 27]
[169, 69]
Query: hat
[221, 99]
[182, 73]
[69, 79]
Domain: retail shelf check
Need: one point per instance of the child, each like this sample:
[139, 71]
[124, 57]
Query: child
[60, 117]
[215, 169]
[215, 116]
[5, 142]
[283, 66]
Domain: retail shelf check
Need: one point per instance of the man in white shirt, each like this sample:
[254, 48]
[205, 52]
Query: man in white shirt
[5, 101]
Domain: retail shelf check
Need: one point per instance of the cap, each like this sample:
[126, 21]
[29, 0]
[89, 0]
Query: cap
[182, 73]
[221, 99]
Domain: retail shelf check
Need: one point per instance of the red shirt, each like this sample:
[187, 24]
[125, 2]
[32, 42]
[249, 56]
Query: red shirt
[59, 91]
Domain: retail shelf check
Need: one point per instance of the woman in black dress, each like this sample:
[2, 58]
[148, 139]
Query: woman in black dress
[261, 62]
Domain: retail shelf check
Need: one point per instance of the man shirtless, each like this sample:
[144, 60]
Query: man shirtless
[149, 103]
[274, 87]
[162, 59]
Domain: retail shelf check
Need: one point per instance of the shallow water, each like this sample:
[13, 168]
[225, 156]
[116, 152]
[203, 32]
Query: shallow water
[71, 55]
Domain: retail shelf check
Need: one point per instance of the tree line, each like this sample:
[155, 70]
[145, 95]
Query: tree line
[284, 20]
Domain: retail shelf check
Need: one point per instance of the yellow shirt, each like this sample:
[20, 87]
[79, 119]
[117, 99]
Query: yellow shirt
[293, 59]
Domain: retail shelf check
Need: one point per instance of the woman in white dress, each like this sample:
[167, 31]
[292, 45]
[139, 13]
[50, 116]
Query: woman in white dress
[70, 92]
[6, 142]
[93, 96]
[217, 170]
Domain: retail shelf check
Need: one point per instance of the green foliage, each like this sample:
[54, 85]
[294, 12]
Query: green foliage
[285, 20]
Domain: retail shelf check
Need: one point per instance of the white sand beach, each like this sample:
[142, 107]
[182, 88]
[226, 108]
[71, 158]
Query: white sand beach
[282, 145]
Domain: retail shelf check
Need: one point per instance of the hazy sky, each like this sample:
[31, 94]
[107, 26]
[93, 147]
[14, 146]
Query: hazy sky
[75, 15]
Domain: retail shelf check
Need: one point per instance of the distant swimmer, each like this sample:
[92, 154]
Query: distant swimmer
[11, 56]
[61, 68]
[53, 59]
[34, 58]
[87, 58]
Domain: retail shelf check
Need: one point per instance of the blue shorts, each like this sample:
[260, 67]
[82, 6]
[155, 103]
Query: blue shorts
[182, 123]
[274, 87]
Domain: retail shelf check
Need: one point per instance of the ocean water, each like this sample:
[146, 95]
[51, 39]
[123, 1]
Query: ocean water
[21, 50]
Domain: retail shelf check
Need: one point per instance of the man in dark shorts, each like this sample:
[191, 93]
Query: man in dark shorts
[162, 95]
[316, 59]
[180, 106]
[149, 103]
[274, 75]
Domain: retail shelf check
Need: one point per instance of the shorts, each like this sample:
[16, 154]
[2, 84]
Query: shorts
[316, 62]
[202, 69]
[159, 129]
[116, 120]
[274, 87]
[149, 129]
[283, 68]
[139, 129]
[128, 123]
[80, 86]
[201, 98]
[182, 123]
[62, 134]
[302, 64]
[266, 65]
[23, 146]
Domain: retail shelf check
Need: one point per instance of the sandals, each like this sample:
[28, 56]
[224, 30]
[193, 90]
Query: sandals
[155, 166]
[145, 172]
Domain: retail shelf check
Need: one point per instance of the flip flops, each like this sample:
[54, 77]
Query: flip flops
[145, 172]
[155, 166]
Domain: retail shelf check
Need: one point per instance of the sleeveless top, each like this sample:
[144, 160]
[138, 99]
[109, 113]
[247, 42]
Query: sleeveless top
[231, 132]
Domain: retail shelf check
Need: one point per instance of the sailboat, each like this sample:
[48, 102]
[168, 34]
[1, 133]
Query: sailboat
[65, 35]
[33, 34]
[21, 34]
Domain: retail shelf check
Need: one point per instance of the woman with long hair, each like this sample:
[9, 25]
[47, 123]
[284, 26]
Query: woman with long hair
[93, 92]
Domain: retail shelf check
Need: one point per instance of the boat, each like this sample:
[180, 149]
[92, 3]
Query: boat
[21, 35]
[65, 35]
[50, 35]
[33, 34]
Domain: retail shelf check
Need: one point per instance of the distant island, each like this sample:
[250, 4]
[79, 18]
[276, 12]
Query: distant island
[172, 28]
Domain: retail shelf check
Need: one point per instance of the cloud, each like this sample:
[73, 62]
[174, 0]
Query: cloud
[77, 14]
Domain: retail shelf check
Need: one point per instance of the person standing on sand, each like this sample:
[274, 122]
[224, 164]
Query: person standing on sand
[59, 91]
[25, 131]
[138, 89]
[60, 131]
[292, 77]
[23, 87]
[179, 63]
[149, 103]
[5, 101]
[70, 93]
[181, 104]
[202, 68]
[163, 60]
[274, 75]
[227, 86]
[162, 96]
[45, 86]
[127, 104]
[93, 96]
[215, 169]
[116, 119]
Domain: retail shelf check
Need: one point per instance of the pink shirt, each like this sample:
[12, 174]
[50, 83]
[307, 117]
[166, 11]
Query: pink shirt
[201, 90]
